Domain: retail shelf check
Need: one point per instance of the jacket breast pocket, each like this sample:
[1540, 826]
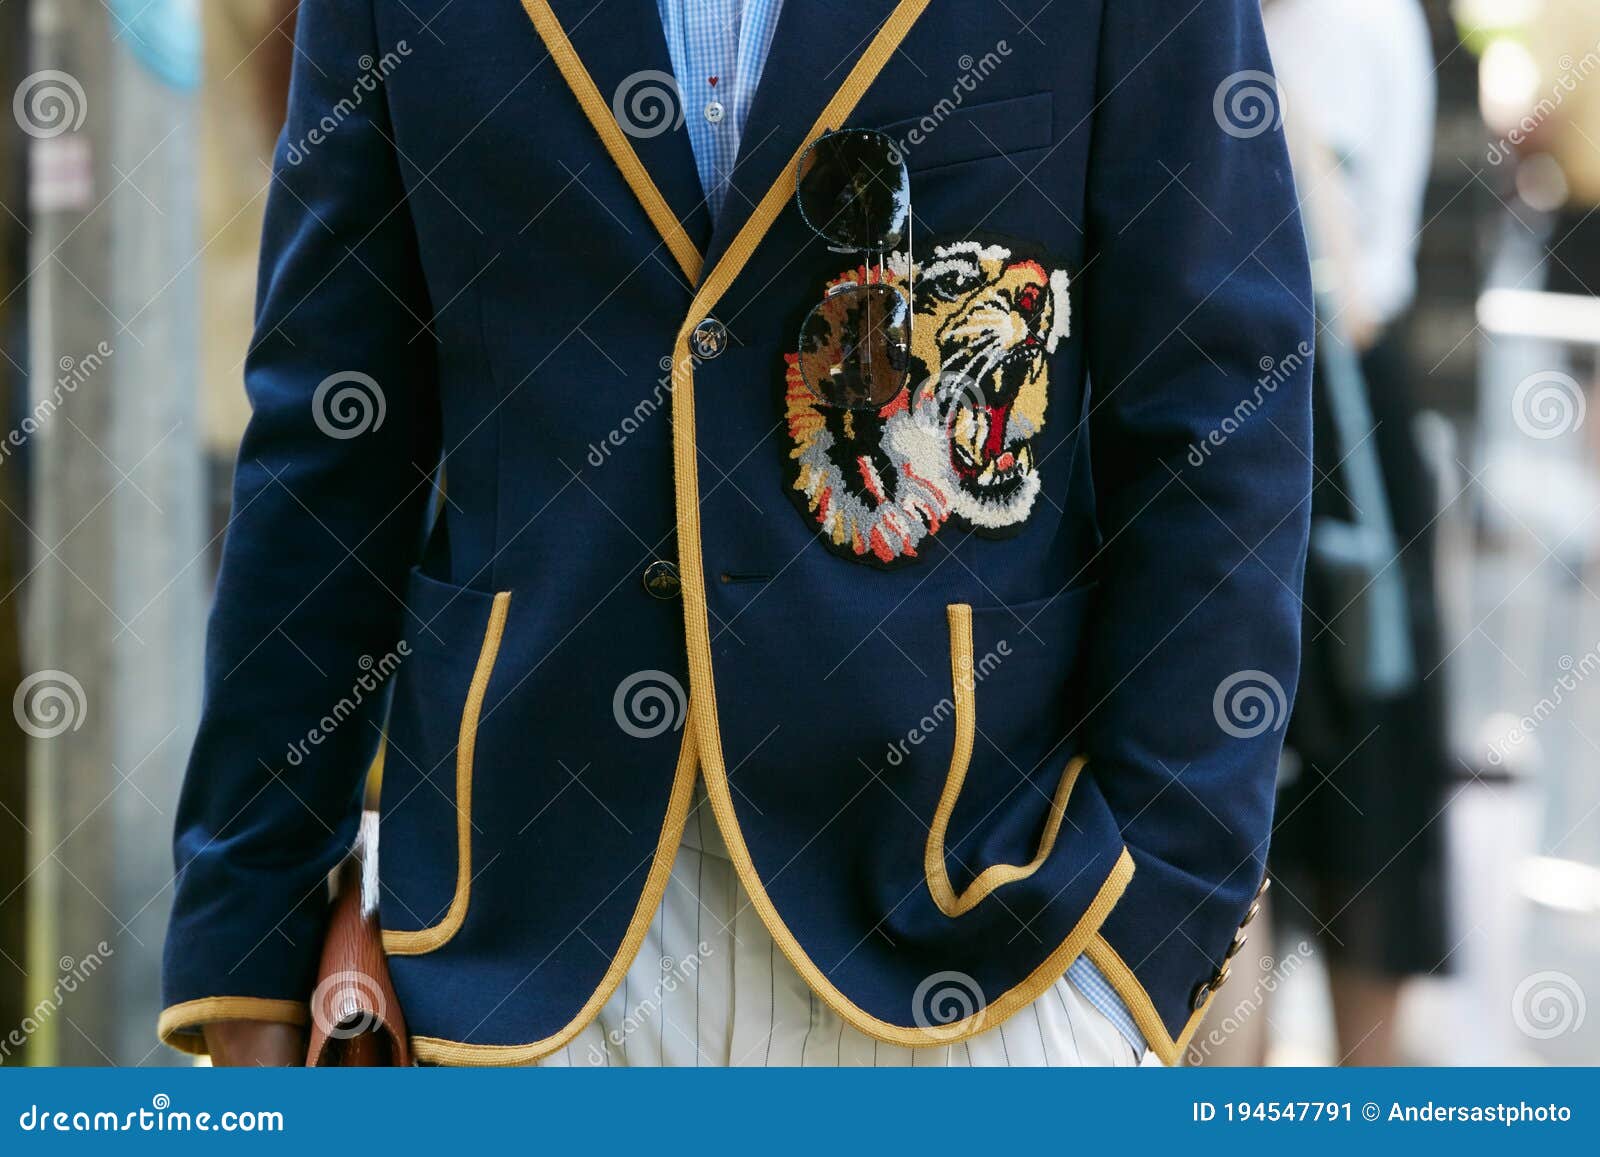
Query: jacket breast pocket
[950, 134]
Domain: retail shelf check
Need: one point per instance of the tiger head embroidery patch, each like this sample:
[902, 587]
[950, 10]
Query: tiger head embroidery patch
[955, 445]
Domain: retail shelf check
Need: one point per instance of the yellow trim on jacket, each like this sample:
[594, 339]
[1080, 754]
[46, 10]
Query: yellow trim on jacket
[180, 1024]
[963, 682]
[615, 140]
[429, 939]
[1122, 978]
[436, 1050]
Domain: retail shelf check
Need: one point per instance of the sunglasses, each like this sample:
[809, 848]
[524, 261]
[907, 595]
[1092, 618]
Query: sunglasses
[853, 191]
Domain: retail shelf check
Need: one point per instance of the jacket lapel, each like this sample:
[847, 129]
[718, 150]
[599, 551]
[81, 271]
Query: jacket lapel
[813, 48]
[624, 49]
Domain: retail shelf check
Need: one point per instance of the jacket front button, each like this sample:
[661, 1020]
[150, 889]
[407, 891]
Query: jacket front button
[709, 339]
[661, 580]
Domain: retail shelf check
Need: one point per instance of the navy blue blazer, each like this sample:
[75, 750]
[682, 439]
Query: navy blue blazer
[536, 498]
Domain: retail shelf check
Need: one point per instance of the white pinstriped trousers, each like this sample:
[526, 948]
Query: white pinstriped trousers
[709, 987]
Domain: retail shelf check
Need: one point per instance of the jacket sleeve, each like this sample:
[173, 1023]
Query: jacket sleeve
[330, 491]
[1199, 331]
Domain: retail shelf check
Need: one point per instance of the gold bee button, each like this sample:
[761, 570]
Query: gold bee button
[661, 580]
[709, 339]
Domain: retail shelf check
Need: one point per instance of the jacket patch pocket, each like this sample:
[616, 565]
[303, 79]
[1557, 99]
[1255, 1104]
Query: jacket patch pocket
[1014, 759]
[426, 856]
[949, 136]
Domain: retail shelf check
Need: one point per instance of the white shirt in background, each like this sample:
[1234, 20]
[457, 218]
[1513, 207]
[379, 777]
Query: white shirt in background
[1360, 75]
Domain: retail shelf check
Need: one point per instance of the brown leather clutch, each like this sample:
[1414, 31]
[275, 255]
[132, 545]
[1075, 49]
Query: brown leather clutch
[355, 1015]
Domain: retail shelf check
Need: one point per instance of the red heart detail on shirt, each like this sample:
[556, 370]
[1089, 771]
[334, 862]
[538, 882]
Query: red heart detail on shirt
[713, 82]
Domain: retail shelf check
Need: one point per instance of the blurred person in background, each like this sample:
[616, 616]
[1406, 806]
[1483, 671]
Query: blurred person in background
[1358, 844]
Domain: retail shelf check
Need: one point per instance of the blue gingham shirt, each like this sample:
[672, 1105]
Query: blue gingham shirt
[727, 41]
[718, 49]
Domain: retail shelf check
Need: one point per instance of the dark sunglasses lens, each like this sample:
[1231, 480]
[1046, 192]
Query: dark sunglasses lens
[855, 346]
[854, 190]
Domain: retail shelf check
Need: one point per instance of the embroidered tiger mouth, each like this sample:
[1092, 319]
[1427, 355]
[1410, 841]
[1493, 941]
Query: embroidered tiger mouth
[986, 469]
[985, 452]
[955, 446]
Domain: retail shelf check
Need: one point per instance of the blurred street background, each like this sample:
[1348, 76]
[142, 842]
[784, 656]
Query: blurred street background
[1438, 857]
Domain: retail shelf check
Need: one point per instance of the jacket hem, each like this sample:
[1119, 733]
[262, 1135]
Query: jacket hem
[437, 1050]
[1168, 1048]
[991, 1015]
